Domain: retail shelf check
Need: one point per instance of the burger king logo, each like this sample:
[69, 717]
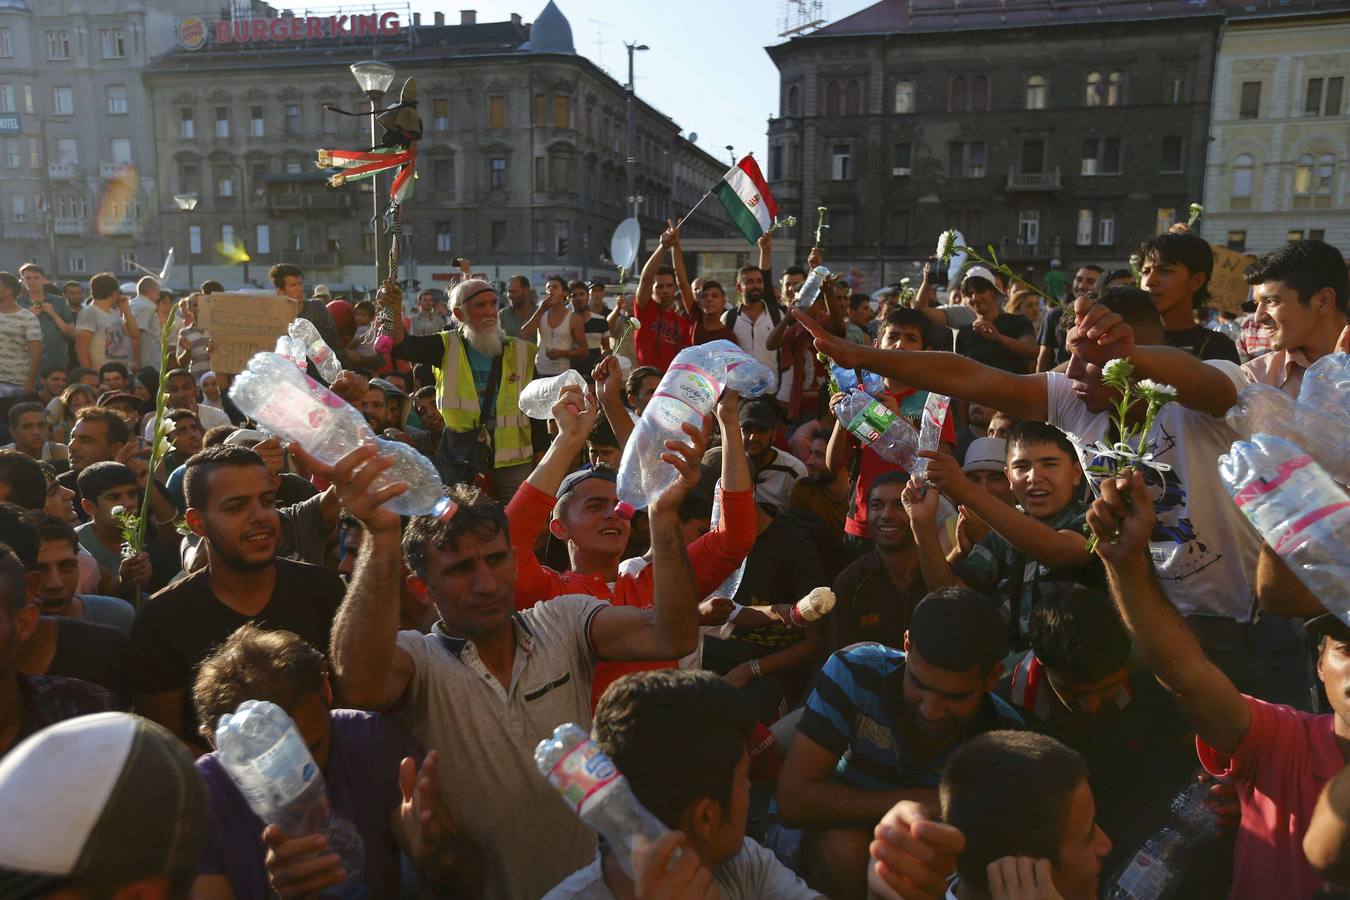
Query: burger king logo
[192, 33]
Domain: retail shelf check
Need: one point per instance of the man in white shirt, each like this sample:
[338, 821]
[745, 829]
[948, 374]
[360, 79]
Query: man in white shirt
[105, 329]
[143, 309]
[20, 341]
[754, 317]
[182, 390]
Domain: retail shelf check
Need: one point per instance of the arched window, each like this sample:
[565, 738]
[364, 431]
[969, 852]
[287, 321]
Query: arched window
[904, 97]
[958, 98]
[1115, 89]
[1326, 166]
[793, 101]
[1303, 175]
[853, 99]
[1243, 169]
[832, 99]
[1036, 92]
[979, 94]
[1093, 96]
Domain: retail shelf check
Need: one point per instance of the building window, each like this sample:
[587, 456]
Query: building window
[903, 160]
[13, 156]
[497, 112]
[1164, 218]
[1243, 169]
[195, 240]
[562, 111]
[853, 99]
[956, 159]
[76, 261]
[497, 172]
[28, 98]
[1294, 235]
[841, 162]
[113, 45]
[958, 101]
[18, 208]
[1036, 92]
[6, 45]
[498, 235]
[1237, 240]
[1303, 175]
[292, 123]
[1093, 90]
[540, 173]
[1317, 234]
[63, 101]
[227, 237]
[262, 239]
[1101, 156]
[776, 162]
[224, 181]
[1249, 107]
[117, 99]
[58, 45]
[1084, 237]
[832, 99]
[121, 151]
[189, 179]
[222, 122]
[129, 261]
[440, 114]
[975, 159]
[1322, 97]
[904, 97]
[794, 101]
[1115, 89]
[256, 127]
[1332, 107]
[1326, 167]
[443, 237]
[1171, 154]
[187, 127]
[1029, 227]
[6, 98]
[442, 176]
[68, 151]
[979, 93]
[1106, 231]
[1176, 86]
[1033, 157]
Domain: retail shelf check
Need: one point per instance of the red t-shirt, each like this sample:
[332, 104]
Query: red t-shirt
[664, 333]
[870, 465]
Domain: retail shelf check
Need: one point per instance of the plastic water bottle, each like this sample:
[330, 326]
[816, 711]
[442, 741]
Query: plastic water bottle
[1302, 513]
[687, 392]
[1157, 869]
[293, 349]
[289, 403]
[264, 754]
[889, 435]
[930, 429]
[813, 607]
[1262, 409]
[539, 396]
[847, 380]
[322, 355]
[1322, 416]
[591, 784]
[810, 289]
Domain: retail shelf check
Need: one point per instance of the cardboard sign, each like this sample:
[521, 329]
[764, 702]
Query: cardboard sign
[1227, 288]
[242, 325]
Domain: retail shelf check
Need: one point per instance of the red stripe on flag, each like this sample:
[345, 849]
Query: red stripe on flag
[751, 169]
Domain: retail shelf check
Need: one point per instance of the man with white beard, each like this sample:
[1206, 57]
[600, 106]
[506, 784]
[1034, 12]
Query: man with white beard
[480, 371]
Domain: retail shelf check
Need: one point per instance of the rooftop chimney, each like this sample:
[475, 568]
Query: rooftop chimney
[440, 18]
[515, 19]
[468, 17]
[417, 19]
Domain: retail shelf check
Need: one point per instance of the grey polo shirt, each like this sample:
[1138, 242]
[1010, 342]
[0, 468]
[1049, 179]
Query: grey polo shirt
[485, 737]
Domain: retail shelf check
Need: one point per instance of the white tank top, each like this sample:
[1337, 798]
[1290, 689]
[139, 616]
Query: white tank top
[553, 338]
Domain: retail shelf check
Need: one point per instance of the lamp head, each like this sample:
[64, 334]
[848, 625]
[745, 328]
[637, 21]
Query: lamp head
[373, 76]
[186, 202]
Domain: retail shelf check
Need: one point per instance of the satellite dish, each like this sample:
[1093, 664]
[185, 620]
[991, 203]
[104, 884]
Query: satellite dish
[693, 137]
[623, 246]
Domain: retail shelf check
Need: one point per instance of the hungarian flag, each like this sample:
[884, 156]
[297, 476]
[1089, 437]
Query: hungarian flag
[747, 199]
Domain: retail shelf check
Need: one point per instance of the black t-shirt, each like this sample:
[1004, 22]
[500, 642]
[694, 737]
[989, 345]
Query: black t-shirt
[181, 625]
[992, 353]
[294, 489]
[1201, 342]
[1053, 336]
[869, 608]
[91, 652]
[783, 566]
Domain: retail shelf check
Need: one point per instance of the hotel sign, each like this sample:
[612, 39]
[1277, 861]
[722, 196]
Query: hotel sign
[193, 31]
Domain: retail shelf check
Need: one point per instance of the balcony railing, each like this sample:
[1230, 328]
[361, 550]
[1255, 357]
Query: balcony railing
[118, 226]
[1044, 248]
[289, 202]
[111, 170]
[70, 226]
[63, 171]
[1033, 181]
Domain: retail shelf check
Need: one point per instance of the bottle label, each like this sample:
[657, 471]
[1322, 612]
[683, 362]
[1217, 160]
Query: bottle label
[286, 768]
[871, 422]
[293, 413]
[1298, 481]
[581, 773]
[688, 385]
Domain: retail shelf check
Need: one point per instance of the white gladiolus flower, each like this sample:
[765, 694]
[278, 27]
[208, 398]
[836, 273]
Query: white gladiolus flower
[1117, 369]
[1156, 390]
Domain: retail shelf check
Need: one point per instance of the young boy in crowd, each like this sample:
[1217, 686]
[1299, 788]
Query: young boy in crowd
[1175, 269]
[104, 486]
[678, 737]
[1025, 551]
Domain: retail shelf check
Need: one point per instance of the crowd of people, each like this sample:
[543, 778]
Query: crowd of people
[990, 708]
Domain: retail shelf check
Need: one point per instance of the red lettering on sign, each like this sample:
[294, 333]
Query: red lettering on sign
[259, 30]
[389, 23]
[367, 25]
[278, 31]
[223, 35]
[314, 27]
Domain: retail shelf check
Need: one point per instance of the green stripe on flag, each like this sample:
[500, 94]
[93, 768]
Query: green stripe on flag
[743, 218]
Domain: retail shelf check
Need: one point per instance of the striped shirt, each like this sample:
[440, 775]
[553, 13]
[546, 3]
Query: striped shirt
[857, 711]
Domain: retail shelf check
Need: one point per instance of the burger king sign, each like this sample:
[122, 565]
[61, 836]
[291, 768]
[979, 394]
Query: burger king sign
[192, 33]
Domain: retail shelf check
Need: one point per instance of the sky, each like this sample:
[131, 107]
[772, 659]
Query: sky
[706, 68]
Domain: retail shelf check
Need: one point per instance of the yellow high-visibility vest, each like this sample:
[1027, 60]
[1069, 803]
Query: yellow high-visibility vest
[457, 397]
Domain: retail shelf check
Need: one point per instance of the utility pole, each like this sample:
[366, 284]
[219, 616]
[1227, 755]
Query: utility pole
[630, 161]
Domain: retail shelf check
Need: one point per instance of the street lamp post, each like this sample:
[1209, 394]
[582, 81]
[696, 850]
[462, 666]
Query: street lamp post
[242, 241]
[374, 77]
[187, 203]
[629, 159]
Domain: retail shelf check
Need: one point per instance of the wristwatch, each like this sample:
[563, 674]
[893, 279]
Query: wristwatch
[755, 670]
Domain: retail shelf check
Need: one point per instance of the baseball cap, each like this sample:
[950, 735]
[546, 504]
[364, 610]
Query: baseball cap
[571, 481]
[980, 272]
[986, 454]
[103, 800]
[388, 387]
[1330, 625]
[246, 437]
[321, 290]
[760, 413]
[108, 398]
